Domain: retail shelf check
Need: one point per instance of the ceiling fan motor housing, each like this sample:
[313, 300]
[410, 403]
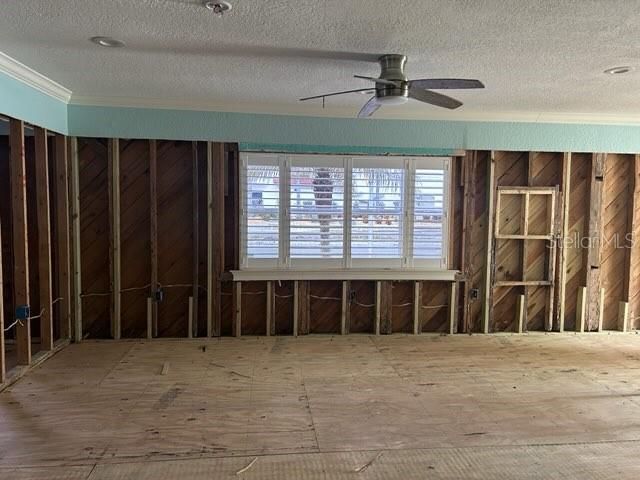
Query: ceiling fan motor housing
[392, 68]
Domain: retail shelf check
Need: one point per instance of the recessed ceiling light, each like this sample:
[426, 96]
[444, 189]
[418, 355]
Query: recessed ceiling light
[107, 42]
[219, 8]
[618, 70]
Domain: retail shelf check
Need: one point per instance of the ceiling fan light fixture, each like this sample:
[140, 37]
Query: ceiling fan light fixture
[107, 42]
[618, 70]
[393, 100]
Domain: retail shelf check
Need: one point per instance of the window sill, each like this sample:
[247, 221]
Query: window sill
[341, 274]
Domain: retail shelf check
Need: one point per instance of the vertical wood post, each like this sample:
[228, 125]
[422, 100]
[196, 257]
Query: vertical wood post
[3, 363]
[562, 274]
[296, 288]
[216, 177]
[190, 318]
[75, 244]
[487, 312]
[600, 309]
[152, 327]
[345, 308]
[378, 311]
[452, 310]
[113, 176]
[20, 241]
[581, 309]
[270, 313]
[595, 238]
[44, 239]
[417, 306]
[623, 316]
[520, 319]
[62, 236]
[236, 322]
[386, 307]
[304, 307]
[551, 259]
[150, 307]
[195, 294]
[468, 270]
[632, 260]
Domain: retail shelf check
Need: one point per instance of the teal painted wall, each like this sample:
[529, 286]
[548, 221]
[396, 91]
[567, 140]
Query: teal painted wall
[263, 131]
[303, 133]
[26, 103]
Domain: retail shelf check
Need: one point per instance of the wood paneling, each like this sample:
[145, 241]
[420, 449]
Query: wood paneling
[254, 308]
[62, 228]
[325, 307]
[433, 307]
[577, 234]
[362, 306]
[135, 236]
[5, 225]
[402, 307]
[94, 238]
[175, 229]
[283, 318]
[618, 181]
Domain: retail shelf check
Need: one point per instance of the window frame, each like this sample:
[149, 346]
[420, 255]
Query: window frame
[406, 261]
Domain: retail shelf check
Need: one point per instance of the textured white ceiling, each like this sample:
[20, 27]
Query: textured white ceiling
[534, 56]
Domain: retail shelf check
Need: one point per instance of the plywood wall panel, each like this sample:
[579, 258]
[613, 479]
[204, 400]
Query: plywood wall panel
[254, 308]
[435, 298]
[575, 242]
[134, 236]
[402, 307]
[613, 254]
[362, 306]
[479, 240]
[325, 312]
[94, 237]
[284, 307]
[175, 229]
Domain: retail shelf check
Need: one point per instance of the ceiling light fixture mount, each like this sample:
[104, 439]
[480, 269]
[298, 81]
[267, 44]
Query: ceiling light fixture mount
[107, 42]
[618, 70]
[218, 8]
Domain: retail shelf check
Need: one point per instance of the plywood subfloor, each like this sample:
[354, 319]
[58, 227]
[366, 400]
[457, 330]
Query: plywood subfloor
[531, 406]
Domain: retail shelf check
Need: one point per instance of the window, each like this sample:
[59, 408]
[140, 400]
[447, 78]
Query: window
[316, 213]
[331, 211]
[377, 212]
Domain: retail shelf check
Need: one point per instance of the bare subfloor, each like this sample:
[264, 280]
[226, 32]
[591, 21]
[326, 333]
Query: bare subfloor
[481, 407]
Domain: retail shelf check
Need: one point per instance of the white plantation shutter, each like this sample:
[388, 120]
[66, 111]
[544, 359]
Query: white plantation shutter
[260, 210]
[316, 211]
[429, 212]
[377, 218]
[330, 211]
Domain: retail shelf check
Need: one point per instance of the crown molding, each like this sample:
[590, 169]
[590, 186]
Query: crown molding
[350, 112]
[30, 77]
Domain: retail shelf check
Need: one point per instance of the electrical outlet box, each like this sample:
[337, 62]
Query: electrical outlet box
[474, 294]
[158, 295]
[23, 312]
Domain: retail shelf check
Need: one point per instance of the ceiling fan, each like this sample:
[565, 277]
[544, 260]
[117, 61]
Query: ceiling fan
[393, 87]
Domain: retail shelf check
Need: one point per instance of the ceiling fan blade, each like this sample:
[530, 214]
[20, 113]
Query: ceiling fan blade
[427, 96]
[378, 80]
[369, 108]
[336, 93]
[445, 83]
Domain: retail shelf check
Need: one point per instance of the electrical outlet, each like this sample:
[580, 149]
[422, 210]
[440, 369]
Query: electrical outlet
[474, 294]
